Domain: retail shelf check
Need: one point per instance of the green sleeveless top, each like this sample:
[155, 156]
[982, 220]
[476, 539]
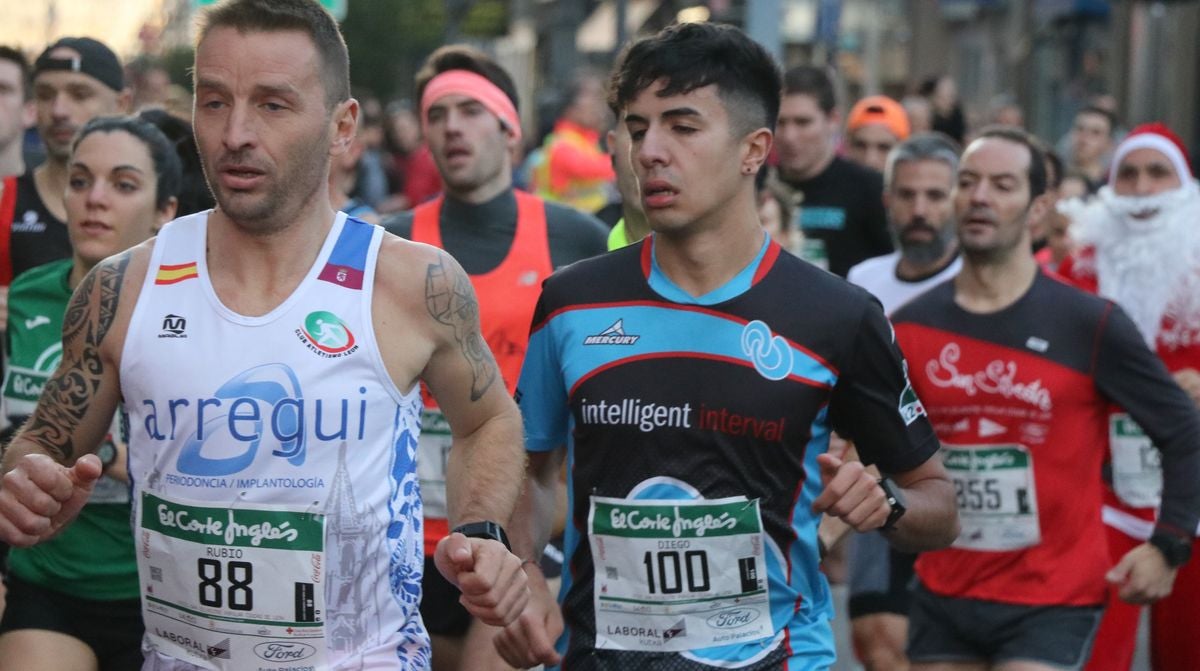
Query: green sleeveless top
[93, 558]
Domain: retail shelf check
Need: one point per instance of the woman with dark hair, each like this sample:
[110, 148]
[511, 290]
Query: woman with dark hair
[73, 600]
[194, 194]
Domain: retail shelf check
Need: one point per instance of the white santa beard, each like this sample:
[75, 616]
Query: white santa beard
[1148, 265]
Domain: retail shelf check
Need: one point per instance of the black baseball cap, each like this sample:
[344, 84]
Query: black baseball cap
[95, 60]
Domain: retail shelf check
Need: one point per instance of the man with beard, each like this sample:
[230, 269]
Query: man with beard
[508, 242]
[1142, 250]
[918, 178]
[917, 181]
[264, 515]
[1017, 371]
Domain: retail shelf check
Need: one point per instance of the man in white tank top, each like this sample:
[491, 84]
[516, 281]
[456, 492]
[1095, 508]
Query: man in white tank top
[267, 355]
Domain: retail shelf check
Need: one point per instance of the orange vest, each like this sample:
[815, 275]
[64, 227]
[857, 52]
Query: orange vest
[507, 296]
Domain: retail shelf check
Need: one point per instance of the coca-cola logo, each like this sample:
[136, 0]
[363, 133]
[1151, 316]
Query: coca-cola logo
[284, 651]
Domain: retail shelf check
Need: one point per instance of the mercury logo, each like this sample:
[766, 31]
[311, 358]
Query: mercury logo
[613, 335]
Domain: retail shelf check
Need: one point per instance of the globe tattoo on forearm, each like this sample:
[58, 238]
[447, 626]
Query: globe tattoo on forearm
[450, 300]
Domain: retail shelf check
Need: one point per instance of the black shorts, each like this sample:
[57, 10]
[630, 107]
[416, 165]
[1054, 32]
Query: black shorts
[948, 629]
[444, 615]
[112, 629]
[880, 577]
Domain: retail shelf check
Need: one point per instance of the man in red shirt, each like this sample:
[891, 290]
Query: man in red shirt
[1142, 250]
[1018, 371]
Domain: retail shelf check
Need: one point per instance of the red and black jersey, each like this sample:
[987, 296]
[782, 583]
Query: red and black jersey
[1040, 374]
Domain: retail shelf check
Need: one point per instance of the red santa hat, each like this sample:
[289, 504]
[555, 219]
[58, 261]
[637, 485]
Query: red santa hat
[1155, 136]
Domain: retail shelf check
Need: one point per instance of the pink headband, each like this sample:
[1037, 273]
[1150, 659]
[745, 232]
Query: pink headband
[476, 87]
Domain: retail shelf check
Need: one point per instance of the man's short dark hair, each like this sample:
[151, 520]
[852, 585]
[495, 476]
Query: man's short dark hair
[462, 57]
[16, 57]
[690, 56]
[811, 81]
[1107, 115]
[306, 16]
[1037, 160]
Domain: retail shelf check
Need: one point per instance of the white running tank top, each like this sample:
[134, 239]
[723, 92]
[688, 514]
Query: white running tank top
[277, 512]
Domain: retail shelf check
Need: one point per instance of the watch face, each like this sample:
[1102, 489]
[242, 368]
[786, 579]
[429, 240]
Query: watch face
[107, 453]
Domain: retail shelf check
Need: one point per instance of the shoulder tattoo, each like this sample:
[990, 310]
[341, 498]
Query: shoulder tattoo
[69, 391]
[451, 301]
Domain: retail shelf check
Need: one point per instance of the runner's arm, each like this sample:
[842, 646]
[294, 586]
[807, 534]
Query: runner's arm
[43, 487]
[542, 396]
[931, 519]
[533, 519]
[530, 639]
[486, 463]
[1133, 376]
[873, 404]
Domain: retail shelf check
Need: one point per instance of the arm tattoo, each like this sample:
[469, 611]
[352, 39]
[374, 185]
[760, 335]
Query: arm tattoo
[451, 301]
[69, 391]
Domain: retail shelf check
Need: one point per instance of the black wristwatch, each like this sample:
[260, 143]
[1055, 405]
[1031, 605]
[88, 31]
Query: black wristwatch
[107, 451]
[486, 529]
[894, 499]
[1174, 549]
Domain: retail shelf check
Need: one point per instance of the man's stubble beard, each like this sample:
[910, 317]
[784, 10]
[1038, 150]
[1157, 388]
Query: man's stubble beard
[276, 208]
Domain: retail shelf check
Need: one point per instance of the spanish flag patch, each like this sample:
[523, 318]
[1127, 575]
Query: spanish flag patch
[177, 273]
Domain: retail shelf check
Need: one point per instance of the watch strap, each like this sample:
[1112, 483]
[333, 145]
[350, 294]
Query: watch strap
[895, 502]
[485, 529]
[1175, 549]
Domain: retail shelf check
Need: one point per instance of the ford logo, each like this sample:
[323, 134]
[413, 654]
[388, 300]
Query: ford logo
[732, 618]
[284, 651]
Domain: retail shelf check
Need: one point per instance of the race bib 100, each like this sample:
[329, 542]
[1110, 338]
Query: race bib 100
[678, 575]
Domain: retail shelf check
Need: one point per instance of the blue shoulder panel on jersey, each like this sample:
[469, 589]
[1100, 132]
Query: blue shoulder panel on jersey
[592, 338]
[348, 259]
